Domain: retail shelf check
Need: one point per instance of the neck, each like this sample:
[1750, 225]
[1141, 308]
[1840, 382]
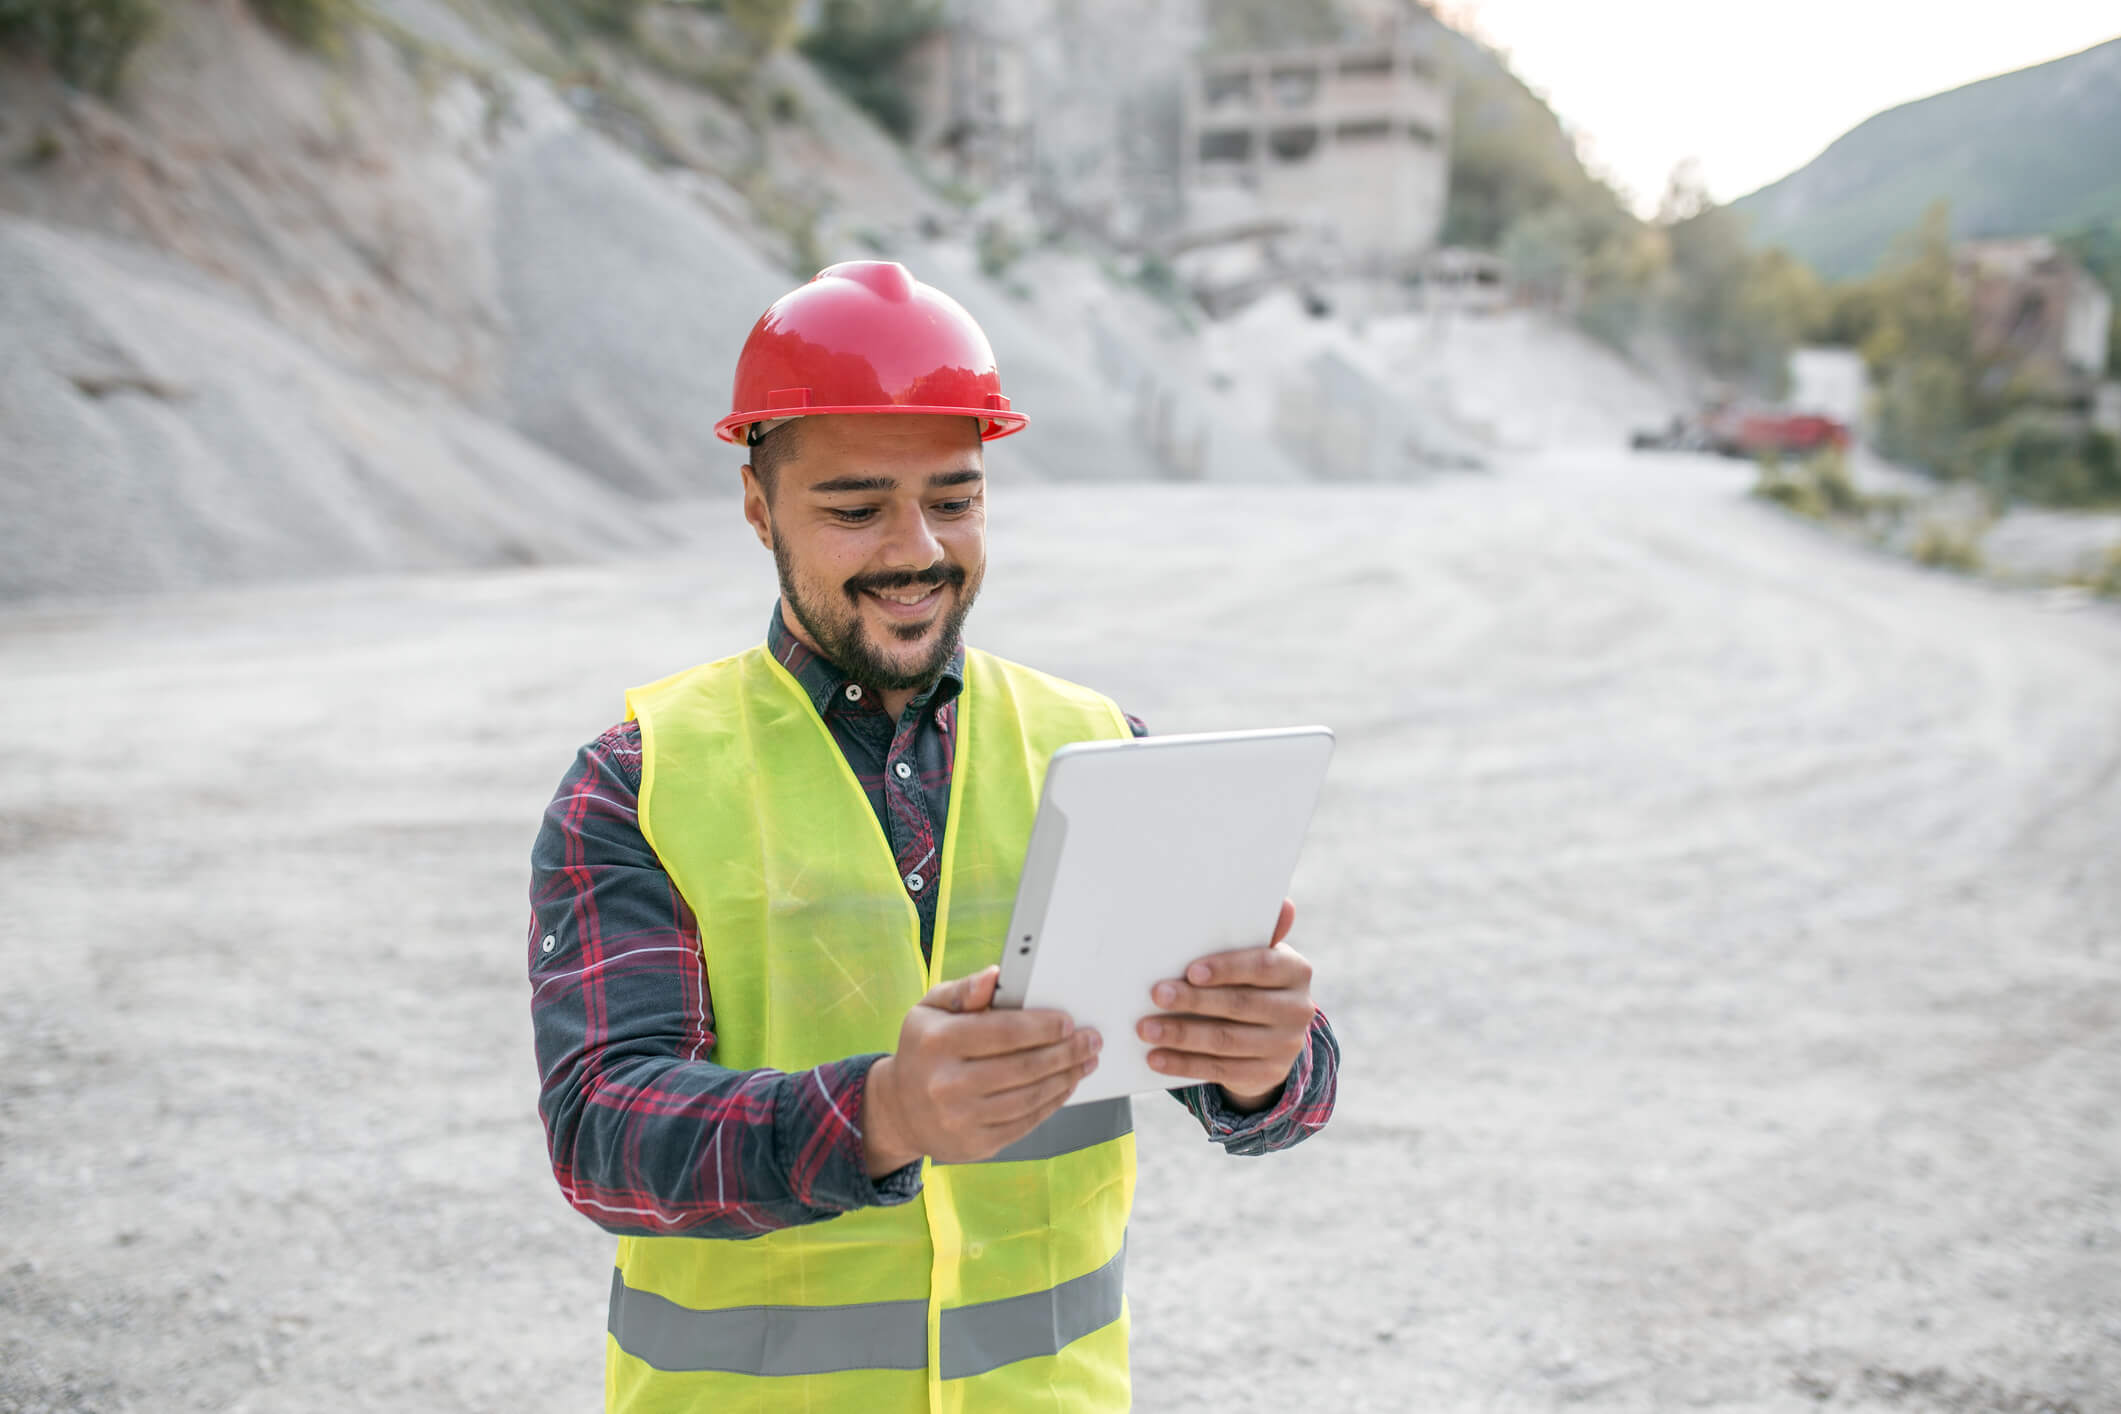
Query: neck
[893, 700]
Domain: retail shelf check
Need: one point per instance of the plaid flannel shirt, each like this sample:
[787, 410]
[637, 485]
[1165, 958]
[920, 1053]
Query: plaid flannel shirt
[648, 1135]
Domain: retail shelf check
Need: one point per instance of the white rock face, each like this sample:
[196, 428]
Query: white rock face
[161, 433]
[626, 305]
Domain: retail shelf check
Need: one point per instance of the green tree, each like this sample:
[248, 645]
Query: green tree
[1510, 160]
[1921, 305]
[861, 45]
[1919, 345]
[315, 23]
[1623, 281]
[87, 42]
[766, 26]
[1740, 310]
[1545, 254]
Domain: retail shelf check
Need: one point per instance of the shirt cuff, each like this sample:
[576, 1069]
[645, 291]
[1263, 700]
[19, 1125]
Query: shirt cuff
[842, 1182]
[1247, 1133]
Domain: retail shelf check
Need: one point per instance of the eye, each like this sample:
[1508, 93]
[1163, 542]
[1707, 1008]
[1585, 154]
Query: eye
[955, 508]
[852, 515]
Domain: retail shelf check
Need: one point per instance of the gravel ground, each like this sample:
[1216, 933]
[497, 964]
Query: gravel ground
[1721, 922]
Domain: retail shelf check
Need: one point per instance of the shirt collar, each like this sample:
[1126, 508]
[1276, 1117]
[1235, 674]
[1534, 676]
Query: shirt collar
[820, 677]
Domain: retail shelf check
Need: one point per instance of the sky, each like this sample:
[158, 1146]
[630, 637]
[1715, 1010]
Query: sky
[1753, 92]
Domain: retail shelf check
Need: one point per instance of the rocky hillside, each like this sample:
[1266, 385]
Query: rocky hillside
[430, 299]
[2033, 152]
[465, 285]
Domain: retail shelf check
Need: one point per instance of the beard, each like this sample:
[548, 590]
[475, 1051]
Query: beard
[832, 616]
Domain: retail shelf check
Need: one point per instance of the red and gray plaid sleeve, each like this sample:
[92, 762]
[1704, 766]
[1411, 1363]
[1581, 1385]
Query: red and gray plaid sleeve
[1305, 1105]
[647, 1134]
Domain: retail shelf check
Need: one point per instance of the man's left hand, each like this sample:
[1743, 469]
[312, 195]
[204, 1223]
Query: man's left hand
[1237, 1018]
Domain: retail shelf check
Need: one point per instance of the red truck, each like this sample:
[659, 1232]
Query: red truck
[1739, 432]
[1748, 432]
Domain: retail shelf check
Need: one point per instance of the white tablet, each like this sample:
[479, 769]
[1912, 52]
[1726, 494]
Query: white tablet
[1144, 856]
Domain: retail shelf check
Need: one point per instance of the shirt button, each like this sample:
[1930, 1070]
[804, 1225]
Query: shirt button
[915, 882]
[902, 770]
[854, 692]
[549, 944]
[976, 1250]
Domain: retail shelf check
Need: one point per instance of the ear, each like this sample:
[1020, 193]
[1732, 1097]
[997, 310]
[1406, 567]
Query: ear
[755, 509]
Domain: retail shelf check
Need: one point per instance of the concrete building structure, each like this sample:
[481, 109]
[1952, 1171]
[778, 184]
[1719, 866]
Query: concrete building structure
[968, 84]
[1350, 142]
[2035, 308]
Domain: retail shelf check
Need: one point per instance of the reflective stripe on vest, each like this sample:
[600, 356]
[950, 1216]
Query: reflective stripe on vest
[1000, 1286]
[877, 1335]
[1077, 1127]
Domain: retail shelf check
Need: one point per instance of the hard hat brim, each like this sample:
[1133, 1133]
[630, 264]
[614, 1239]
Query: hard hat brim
[994, 423]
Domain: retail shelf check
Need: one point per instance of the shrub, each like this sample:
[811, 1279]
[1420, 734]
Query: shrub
[610, 16]
[1791, 493]
[1156, 275]
[568, 20]
[1817, 487]
[792, 218]
[1949, 547]
[2049, 458]
[1922, 415]
[1829, 471]
[860, 45]
[766, 25]
[998, 249]
[2107, 579]
[86, 41]
[318, 24]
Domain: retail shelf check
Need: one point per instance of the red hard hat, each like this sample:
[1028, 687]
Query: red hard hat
[865, 336]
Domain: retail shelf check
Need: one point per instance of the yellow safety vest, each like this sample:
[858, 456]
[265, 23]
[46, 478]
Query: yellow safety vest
[1001, 1288]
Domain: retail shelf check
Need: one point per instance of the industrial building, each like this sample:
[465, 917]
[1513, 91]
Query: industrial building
[1348, 142]
[2037, 310]
[967, 83]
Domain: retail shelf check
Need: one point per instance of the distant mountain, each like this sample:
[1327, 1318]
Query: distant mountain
[2033, 152]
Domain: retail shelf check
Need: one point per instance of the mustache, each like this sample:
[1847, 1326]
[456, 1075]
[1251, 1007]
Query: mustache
[937, 574]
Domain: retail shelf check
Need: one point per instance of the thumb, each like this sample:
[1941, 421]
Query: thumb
[972, 993]
[1284, 923]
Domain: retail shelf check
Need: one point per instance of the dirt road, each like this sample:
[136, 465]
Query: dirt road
[1724, 927]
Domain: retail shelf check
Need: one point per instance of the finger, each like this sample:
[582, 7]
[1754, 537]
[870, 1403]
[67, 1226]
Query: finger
[993, 1074]
[1028, 1106]
[971, 993]
[1263, 1006]
[1277, 966]
[998, 1033]
[1228, 1039]
[1283, 924]
[1221, 1070]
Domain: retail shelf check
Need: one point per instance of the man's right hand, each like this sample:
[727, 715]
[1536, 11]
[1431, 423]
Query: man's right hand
[967, 1081]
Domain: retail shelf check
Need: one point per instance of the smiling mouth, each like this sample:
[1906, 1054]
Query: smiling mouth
[909, 602]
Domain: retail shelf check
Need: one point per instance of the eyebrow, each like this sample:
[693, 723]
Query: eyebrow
[857, 483]
[841, 484]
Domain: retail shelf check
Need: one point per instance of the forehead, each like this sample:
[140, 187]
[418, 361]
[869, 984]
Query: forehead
[896, 444]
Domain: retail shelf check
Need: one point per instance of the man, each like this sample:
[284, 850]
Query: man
[767, 912]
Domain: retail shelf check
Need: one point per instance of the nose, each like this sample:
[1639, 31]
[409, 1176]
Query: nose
[912, 544]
